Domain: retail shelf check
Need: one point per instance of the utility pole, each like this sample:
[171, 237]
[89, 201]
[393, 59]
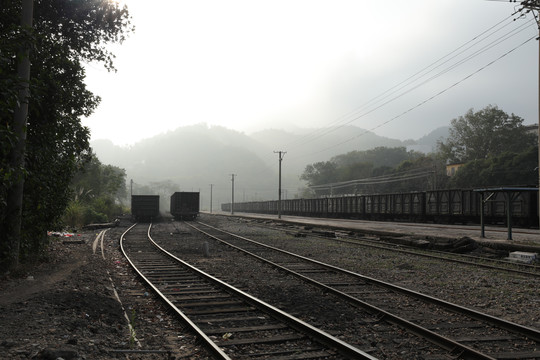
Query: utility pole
[211, 186]
[533, 6]
[281, 154]
[232, 197]
[130, 192]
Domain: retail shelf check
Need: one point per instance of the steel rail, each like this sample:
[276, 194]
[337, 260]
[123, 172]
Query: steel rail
[464, 352]
[321, 336]
[342, 347]
[441, 256]
[208, 343]
[528, 332]
[391, 246]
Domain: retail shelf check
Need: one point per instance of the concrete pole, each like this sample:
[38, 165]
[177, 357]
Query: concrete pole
[281, 154]
[211, 185]
[232, 195]
[538, 207]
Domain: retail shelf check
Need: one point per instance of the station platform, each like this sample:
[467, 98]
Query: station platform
[496, 236]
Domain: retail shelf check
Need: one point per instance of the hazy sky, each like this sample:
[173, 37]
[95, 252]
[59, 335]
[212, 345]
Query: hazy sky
[255, 64]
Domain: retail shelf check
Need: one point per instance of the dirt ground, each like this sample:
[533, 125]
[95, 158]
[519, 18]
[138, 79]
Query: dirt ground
[66, 307]
[84, 301]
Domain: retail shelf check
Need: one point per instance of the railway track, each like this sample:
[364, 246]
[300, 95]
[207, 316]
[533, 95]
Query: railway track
[231, 323]
[377, 243]
[463, 332]
[479, 261]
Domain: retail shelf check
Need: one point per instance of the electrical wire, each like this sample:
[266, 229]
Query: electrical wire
[406, 86]
[482, 37]
[410, 80]
[401, 176]
[426, 100]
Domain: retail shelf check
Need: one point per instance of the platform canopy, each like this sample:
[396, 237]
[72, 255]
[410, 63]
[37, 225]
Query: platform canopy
[510, 193]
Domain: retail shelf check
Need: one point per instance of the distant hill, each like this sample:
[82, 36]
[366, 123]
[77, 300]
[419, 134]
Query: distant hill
[428, 143]
[193, 157]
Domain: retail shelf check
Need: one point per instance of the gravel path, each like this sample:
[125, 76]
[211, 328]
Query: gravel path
[66, 306]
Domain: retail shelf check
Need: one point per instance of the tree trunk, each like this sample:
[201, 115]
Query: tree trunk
[11, 237]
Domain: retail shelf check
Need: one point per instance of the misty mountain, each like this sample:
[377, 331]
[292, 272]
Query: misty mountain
[193, 157]
[428, 143]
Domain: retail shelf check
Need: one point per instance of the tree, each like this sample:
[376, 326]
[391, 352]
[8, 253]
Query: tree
[507, 169]
[65, 34]
[379, 157]
[488, 132]
[357, 165]
[96, 179]
[97, 191]
[319, 173]
[421, 173]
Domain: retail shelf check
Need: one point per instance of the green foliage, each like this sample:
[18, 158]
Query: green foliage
[347, 171]
[65, 34]
[320, 173]
[97, 193]
[95, 180]
[384, 157]
[495, 148]
[488, 132]
[507, 169]
[74, 215]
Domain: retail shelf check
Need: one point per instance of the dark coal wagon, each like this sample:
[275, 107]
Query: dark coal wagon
[185, 205]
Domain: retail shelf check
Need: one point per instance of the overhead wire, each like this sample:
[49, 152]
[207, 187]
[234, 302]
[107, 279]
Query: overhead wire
[406, 84]
[376, 180]
[411, 79]
[353, 116]
[426, 100]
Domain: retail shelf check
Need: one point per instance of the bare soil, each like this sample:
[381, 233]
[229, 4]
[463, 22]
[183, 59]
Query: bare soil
[65, 307]
[79, 304]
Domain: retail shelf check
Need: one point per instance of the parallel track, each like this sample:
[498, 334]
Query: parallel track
[215, 310]
[484, 262]
[487, 337]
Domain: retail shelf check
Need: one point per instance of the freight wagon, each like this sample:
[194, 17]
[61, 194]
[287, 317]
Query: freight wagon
[145, 208]
[437, 206]
[185, 205]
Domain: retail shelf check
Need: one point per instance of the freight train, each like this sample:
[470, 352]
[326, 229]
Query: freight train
[183, 206]
[145, 208]
[437, 206]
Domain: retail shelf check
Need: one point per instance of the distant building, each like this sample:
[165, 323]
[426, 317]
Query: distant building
[451, 169]
[533, 129]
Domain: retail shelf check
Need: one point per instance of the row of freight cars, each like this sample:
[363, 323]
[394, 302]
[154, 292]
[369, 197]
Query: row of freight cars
[183, 206]
[439, 206]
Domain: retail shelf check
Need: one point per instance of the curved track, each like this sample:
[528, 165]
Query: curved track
[471, 334]
[215, 310]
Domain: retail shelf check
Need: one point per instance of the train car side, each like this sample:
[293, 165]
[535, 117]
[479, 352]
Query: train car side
[447, 206]
[185, 205]
[145, 208]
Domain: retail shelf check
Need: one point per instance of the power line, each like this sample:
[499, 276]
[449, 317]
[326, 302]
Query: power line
[353, 116]
[428, 99]
[410, 80]
[377, 180]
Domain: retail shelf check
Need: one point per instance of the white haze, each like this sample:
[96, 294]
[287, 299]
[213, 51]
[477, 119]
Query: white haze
[251, 65]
